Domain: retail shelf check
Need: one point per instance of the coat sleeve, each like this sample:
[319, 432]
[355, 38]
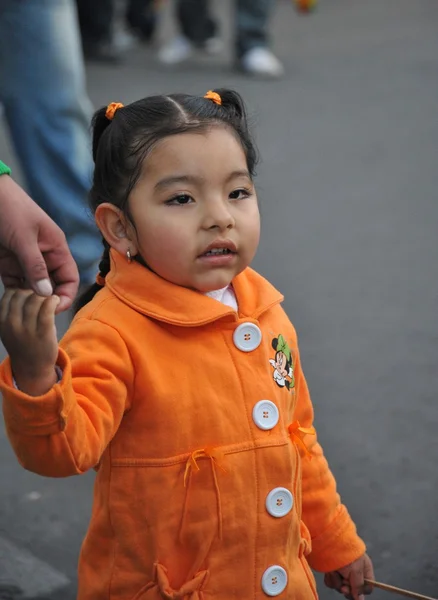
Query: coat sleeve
[65, 431]
[334, 540]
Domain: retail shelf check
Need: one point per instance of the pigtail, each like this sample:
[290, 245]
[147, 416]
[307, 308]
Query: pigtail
[105, 262]
[99, 124]
[233, 104]
[104, 269]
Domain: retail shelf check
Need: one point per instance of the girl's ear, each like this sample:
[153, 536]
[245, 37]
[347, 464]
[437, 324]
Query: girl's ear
[115, 228]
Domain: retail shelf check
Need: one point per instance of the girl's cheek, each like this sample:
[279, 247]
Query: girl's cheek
[175, 241]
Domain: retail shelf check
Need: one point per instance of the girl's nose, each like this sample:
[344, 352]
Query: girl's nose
[218, 216]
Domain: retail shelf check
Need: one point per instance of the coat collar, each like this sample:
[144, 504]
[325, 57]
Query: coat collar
[155, 297]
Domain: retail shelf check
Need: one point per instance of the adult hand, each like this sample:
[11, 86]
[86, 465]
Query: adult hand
[33, 249]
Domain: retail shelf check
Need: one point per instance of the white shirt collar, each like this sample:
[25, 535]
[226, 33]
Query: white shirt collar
[225, 295]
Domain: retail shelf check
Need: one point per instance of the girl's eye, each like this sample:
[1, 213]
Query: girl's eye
[179, 200]
[240, 194]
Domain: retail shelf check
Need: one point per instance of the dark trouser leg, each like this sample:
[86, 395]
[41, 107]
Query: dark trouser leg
[195, 20]
[252, 20]
[95, 20]
[141, 17]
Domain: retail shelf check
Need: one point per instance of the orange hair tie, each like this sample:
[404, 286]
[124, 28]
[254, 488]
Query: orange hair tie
[100, 280]
[111, 110]
[214, 97]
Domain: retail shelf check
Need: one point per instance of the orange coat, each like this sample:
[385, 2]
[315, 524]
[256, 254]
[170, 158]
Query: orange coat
[188, 412]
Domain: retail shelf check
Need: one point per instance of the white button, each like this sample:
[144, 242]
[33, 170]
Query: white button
[265, 414]
[247, 337]
[279, 502]
[274, 580]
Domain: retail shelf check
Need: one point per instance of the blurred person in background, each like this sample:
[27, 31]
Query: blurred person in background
[47, 110]
[96, 26]
[199, 31]
[141, 18]
[103, 38]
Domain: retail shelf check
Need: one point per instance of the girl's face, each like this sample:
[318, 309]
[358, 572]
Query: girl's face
[195, 211]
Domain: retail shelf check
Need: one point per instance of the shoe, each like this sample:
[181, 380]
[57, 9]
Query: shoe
[213, 46]
[180, 49]
[105, 52]
[124, 41]
[261, 61]
[176, 51]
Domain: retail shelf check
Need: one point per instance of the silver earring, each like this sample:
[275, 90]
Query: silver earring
[128, 255]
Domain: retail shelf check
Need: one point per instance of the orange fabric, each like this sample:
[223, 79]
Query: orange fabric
[297, 435]
[214, 454]
[217, 458]
[192, 590]
[112, 109]
[152, 381]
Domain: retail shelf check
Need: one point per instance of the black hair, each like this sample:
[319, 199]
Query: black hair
[120, 146]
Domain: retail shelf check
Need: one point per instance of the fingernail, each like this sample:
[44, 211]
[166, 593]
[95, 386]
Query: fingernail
[63, 303]
[361, 597]
[43, 287]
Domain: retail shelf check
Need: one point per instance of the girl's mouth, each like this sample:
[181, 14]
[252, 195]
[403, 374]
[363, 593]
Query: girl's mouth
[218, 252]
[220, 247]
[218, 257]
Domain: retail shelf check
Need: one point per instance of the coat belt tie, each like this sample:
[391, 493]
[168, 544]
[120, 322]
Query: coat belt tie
[190, 590]
[297, 435]
[216, 458]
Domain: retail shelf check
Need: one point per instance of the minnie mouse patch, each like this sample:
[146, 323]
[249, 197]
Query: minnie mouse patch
[282, 363]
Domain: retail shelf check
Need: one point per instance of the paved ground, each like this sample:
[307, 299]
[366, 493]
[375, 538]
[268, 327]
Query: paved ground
[348, 188]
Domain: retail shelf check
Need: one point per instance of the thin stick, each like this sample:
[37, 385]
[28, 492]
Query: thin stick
[396, 590]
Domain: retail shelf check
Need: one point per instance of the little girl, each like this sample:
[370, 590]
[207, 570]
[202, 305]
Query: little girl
[179, 379]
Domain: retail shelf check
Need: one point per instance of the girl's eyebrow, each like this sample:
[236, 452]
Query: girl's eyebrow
[237, 174]
[169, 181]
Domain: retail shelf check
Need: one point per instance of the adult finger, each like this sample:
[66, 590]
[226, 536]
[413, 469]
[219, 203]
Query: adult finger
[34, 267]
[66, 284]
[10, 269]
[62, 268]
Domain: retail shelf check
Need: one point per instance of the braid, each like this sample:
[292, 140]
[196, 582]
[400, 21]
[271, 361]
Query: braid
[105, 264]
[104, 269]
